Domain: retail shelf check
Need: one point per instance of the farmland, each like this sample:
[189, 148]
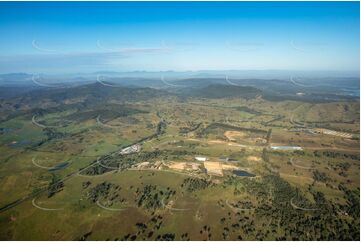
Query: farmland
[98, 165]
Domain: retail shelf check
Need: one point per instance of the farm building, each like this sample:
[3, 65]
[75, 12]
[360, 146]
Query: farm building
[200, 158]
[286, 148]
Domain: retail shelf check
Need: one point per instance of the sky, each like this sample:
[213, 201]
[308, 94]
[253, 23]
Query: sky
[72, 37]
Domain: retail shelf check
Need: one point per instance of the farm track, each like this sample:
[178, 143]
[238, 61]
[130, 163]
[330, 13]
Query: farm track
[67, 177]
[106, 125]
[40, 191]
[36, 123]
[302, 167]
[173, 209]
[44, 209]
[300, 208]
[105, 166]
[109, 209]
[43, 167]
[33, 120]
[238, 209]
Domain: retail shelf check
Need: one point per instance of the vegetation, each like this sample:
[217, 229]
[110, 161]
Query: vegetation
[193, 184]
[159, 191]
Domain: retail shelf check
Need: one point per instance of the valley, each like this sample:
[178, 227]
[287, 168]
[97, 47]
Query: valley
[98, 162]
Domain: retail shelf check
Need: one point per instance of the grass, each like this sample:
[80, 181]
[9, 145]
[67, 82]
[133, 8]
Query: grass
[86, 140]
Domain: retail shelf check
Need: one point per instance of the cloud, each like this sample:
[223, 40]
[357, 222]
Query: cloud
[162, 49]
[59, 62]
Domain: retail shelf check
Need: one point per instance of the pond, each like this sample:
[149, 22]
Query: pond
[243, 173]
[6, 130]
[59, 166]
[19, 144]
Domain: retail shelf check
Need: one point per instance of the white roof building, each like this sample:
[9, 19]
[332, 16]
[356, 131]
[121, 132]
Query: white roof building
[200, 158]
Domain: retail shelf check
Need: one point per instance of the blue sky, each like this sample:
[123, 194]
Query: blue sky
[65, 37]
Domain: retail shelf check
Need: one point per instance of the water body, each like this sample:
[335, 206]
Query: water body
[6, 130]
[59, 166]
[243, 173]
[19, 144]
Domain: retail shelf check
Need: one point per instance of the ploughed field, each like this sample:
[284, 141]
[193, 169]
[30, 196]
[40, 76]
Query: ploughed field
[164, 167]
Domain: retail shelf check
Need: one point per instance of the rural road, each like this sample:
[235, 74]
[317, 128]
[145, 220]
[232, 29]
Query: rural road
[33, 120]
[109, 209]
[40, 191]
[299, 208]
[105, 125]
[173, 209]
[298, 166]
[238, 209]
[45, 209]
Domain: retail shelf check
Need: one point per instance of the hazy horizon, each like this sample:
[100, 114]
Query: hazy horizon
[83, 37]
[180, 121]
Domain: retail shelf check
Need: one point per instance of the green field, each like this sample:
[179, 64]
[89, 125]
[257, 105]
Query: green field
[69, 181]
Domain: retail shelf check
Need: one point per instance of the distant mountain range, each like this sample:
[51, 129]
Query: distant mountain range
[189, 83]
[238, 74]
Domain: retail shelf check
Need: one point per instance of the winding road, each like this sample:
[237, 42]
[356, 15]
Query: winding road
[43, 167]
[44, 209]
[109, 209]
[302, 167]
[300, 208]
[105, 125]
[238, 209]
[173, 209]
[33, 120]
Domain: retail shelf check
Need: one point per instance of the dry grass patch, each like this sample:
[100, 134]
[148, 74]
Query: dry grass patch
[254, 158]
[214, 168]
[232, 135]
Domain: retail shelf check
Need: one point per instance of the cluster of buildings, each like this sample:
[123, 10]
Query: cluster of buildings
[286, 148]
[201, 158]
[216, 167]
[147, 165]
[131, 149]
